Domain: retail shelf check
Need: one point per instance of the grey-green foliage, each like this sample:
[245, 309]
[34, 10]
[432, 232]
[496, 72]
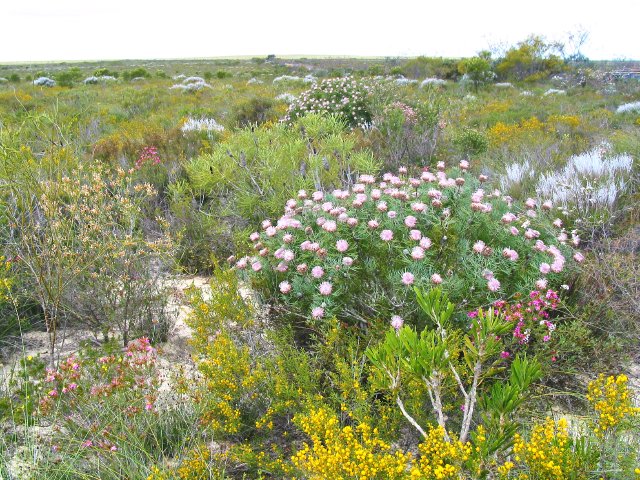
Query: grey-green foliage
[256, 170]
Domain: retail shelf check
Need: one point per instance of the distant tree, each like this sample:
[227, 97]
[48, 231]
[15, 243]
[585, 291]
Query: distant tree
[69, 77]
[531, 60]
[478, 69]
[105, 72]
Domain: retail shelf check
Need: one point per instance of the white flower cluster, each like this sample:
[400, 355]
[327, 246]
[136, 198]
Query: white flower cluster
[3, 80]
[629, 107]
[191, 84]
[44, 82]
[254, 81]
[286, 97]
[93, 80]
[588, 181]
[403, 81]
[432, 81]
[554, 91]
[201, 124]
[504, 85]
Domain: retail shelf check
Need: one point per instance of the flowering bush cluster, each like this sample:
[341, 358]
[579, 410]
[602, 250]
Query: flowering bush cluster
[346, 97]
[355, 253]
[148, 156]
[530, 317]
[612, 401]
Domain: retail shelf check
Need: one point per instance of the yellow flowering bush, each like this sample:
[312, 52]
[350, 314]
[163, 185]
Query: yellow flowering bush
[612, 401]
[547, 455]
[502, 133]
[440, 459]
[349, 452]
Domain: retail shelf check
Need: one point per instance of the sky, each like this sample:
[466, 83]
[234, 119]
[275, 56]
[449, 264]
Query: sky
[42, 30]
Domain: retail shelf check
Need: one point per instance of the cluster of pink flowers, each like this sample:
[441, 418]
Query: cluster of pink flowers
[410, 115]
[532, 315]
[148, 155]
[317, 243]
[75, 377]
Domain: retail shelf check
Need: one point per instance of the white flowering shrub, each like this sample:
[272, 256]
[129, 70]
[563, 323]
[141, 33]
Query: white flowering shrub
[629, 107]
[286, 97]
[287, 79]
[357, 253]
[94, 80]
[432, 81]
[201, 124]
[44, 82]
[589, 183]
[345, 97]
[554, 91]
[191, 84]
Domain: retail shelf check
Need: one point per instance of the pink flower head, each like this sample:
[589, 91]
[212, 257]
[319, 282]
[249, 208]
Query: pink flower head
[417, 253]
[397, 322]
[547, 205]
[425, 242]
[376, 194]
[325, 288]
[578, 257]
[504, 354]
[493, 284]
[317, 196]
[317, 312]
[302, 194]
[287, 238]
[271, 231]
[352, 222]
[440, 166]
[437, 279]
[530, 203]
[392, 214]
[373, 224]
[418, 207]
[479, 246]
[288, 255]
[266, 224]
[460, 181]
[347, 261]
[285, 287]
[514, 231]
[256, 266]
[541, 284]
[545, 268]
[464, 165]
[386, 235]
[254, 236]
[302, 268]
[382, 206]
[415, 235]
[241, 264]
[508, 218]
[342, 246]
[317, 272]
[557, 223]
[510, 254]
[329, 226]
[408, 278]
[410, 221]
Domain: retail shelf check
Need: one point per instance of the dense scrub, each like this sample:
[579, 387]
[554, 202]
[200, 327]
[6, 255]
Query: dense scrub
[418, 269]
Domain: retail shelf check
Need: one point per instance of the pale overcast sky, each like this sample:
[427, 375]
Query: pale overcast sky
[126, 29]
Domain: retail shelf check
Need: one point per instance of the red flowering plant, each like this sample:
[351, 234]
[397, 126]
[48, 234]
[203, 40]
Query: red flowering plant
[532, 320]
[356, 253]
[94, 398]
[148, 156]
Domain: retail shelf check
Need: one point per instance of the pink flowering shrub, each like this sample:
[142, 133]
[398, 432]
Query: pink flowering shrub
[345, 97]
[357, 253]
[102, 404]
[148, 156]
[532, 321]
